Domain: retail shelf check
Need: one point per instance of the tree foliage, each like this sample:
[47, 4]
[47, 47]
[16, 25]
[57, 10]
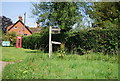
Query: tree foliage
[105, 12]
[5, 22]
[10, 36]
[61, 14]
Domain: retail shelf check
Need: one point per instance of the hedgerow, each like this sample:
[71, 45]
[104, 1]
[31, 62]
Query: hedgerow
[95, 40]
[105, 41]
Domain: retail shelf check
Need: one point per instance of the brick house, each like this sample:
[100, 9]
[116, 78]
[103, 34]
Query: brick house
[19, 28]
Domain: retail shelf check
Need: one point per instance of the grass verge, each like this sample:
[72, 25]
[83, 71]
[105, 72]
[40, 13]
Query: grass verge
[39, 66]
[15, 54]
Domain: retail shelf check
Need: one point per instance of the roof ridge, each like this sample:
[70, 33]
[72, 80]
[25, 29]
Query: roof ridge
[23, 25]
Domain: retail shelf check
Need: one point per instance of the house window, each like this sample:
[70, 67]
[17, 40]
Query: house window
[22, 28]
[15, 27]
[25, 34]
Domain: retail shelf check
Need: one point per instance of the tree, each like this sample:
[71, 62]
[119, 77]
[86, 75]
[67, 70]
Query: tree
[105, 12]
[5, 22]
[61, 14]
[9, 36]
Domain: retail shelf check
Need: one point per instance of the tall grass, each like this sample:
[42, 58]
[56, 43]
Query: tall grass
[39, 66]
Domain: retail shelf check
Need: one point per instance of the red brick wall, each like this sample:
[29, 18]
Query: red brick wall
[19, 30]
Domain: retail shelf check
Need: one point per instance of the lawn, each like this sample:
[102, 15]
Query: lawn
[39, 66]
[15, 54]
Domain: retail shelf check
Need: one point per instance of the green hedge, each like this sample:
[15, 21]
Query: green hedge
[36, 42]
[105, 41]
[95, 40]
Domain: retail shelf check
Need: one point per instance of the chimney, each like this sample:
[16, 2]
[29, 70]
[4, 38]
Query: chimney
[38, 25]
[20, 18]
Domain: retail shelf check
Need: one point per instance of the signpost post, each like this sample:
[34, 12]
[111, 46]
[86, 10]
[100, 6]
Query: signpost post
[50, 41]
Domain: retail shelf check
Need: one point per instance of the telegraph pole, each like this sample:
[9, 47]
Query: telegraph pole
[24, 18]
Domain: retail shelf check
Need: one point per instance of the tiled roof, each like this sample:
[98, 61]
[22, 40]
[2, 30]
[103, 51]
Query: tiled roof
[35, 30]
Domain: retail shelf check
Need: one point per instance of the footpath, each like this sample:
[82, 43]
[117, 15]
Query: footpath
[2, 65]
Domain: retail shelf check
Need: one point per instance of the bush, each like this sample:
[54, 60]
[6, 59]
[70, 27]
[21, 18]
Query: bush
[36, 41]
[10, 37]
[95, 40]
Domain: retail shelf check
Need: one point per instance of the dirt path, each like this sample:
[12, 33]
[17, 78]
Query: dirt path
[2, 65]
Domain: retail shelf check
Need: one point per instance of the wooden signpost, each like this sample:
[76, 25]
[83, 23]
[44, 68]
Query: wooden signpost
[50, 41]
[53, 42]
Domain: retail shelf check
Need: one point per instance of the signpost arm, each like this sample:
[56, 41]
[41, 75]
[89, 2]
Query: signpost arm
[50, 43]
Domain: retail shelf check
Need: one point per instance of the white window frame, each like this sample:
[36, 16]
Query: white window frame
[23, 28]
[15, 27]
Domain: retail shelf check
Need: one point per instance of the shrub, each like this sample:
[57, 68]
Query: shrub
[10, 37]
[95, 40]
[36, 41]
